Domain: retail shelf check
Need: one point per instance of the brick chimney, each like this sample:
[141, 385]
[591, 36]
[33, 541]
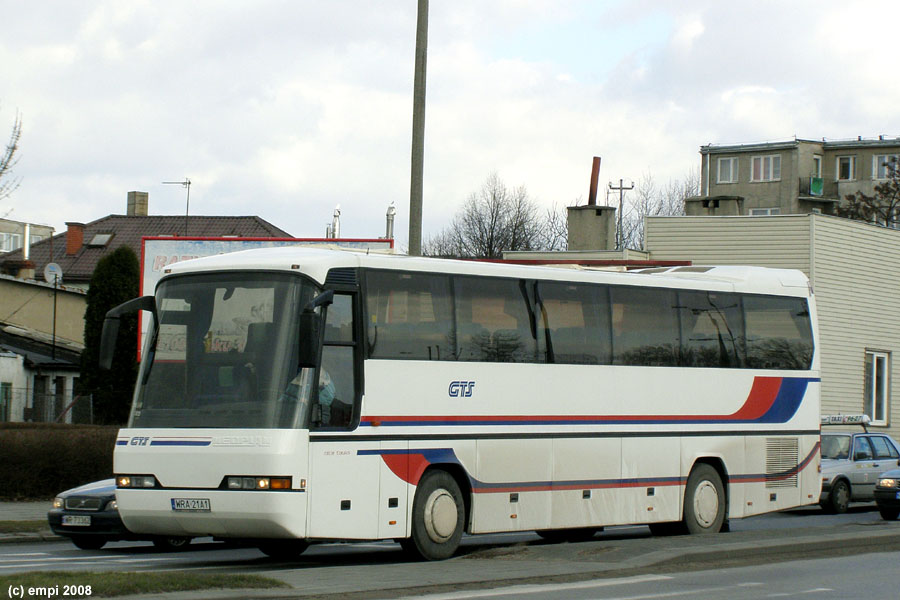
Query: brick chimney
[74, 238]
[138, 204]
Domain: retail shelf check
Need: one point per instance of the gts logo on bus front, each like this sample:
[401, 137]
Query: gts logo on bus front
[461, 389]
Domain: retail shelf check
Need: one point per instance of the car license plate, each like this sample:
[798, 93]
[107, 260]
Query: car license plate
[898, 496]
[77, 520]
[191, 504]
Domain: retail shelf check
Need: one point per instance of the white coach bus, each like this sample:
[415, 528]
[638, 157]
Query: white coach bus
[288, 396]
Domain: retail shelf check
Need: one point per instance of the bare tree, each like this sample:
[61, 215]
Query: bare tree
[8, 160]
[883, 207]
[648, 199]
[493, 219]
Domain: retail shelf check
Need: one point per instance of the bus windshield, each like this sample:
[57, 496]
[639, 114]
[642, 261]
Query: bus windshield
[223, 353]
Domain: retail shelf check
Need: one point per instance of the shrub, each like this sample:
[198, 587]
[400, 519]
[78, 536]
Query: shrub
[40, 460]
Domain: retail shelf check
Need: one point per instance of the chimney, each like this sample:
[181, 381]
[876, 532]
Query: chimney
[74, 238]
[138, 203]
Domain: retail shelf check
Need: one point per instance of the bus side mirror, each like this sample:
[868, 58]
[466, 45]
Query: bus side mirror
[311, 330]
[111, 326]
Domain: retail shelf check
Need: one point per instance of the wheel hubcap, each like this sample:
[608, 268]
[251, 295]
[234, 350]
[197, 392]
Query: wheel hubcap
[440, 516]
[706, 503]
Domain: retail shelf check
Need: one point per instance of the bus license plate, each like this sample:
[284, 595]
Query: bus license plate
[191, 504]
[77, 520]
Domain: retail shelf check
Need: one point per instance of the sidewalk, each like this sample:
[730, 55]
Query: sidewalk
[26, 511]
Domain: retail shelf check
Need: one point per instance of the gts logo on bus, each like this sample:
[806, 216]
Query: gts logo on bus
[461, 389]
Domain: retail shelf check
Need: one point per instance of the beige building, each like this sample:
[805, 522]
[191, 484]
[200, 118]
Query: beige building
[852, 267]
[13, 233]
[790, 177]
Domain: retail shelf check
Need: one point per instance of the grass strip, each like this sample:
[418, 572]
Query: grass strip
[91, 584]
[23, 526]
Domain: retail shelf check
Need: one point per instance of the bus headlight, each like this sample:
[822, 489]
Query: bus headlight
[257, 483]
[136, 481]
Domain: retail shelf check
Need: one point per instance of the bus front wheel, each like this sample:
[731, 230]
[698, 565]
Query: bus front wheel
[438, 517]
[704, 501]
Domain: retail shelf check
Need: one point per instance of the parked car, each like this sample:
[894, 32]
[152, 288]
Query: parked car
[852, 463]
[88, 515]
[887, 495]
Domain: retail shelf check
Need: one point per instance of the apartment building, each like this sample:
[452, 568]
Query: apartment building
[789, 177]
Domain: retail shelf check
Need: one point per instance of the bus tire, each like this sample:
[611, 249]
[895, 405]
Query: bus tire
[704, 501]
[438, 517]
[284, 549]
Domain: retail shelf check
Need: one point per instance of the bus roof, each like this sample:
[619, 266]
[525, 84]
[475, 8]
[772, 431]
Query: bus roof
[315, 262]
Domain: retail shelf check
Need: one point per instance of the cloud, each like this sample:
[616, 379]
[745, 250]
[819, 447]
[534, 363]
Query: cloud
[286, 109]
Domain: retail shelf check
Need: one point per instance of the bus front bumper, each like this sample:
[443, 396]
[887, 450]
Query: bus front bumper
[218, 513]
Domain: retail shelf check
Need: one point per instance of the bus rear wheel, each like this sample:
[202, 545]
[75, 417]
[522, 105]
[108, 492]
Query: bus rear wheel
[438, 517]
[704, 501]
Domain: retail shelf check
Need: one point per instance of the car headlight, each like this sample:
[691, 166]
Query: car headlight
[887, 482]
[112, 505]
[58, 502]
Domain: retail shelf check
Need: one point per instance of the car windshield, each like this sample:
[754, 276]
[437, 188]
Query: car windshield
[836, 446]
[224, 352]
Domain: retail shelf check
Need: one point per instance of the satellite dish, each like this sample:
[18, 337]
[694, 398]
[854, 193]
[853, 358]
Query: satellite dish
[53, 273]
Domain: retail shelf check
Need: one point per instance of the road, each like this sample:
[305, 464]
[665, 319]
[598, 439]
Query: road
[630, 562]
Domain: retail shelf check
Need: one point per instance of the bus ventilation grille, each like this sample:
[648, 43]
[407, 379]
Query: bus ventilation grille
[782, 457]
[342, 276]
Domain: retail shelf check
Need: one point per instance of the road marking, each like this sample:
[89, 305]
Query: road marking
[543, 588]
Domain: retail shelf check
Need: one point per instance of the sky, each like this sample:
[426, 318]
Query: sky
[288, 109]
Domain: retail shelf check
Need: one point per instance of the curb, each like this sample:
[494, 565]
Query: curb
[33, 537]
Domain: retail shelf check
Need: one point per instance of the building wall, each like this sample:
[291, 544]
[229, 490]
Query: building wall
[13, 375]
[29, 304]
[851, 266]
[779, 242]
[781, 193]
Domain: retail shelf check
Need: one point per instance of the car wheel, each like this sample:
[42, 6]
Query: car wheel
[438, 517]
[89, 542]
[889, 513]
[704, 501]
[284, 549]
[839, 498]
[171, 544]
[576, 534]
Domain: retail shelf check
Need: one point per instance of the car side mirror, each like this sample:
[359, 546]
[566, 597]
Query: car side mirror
[111, 326]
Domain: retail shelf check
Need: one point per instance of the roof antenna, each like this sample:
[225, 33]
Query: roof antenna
[187, 184]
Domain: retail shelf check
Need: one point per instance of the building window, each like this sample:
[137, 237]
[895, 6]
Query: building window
[876, 387]
[817, 166]
[728, 170]
[846, 168]
[10, 241]
[763, 212]
[882, 165]
[766, 168]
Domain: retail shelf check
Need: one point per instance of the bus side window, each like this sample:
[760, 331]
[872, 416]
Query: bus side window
[493, 321]
[337, 381]
[645, 327]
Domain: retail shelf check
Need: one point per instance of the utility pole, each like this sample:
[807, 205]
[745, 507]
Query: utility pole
[622, 189]
[418, 134]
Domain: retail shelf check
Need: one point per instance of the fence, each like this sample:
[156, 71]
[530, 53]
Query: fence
[21, 404]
